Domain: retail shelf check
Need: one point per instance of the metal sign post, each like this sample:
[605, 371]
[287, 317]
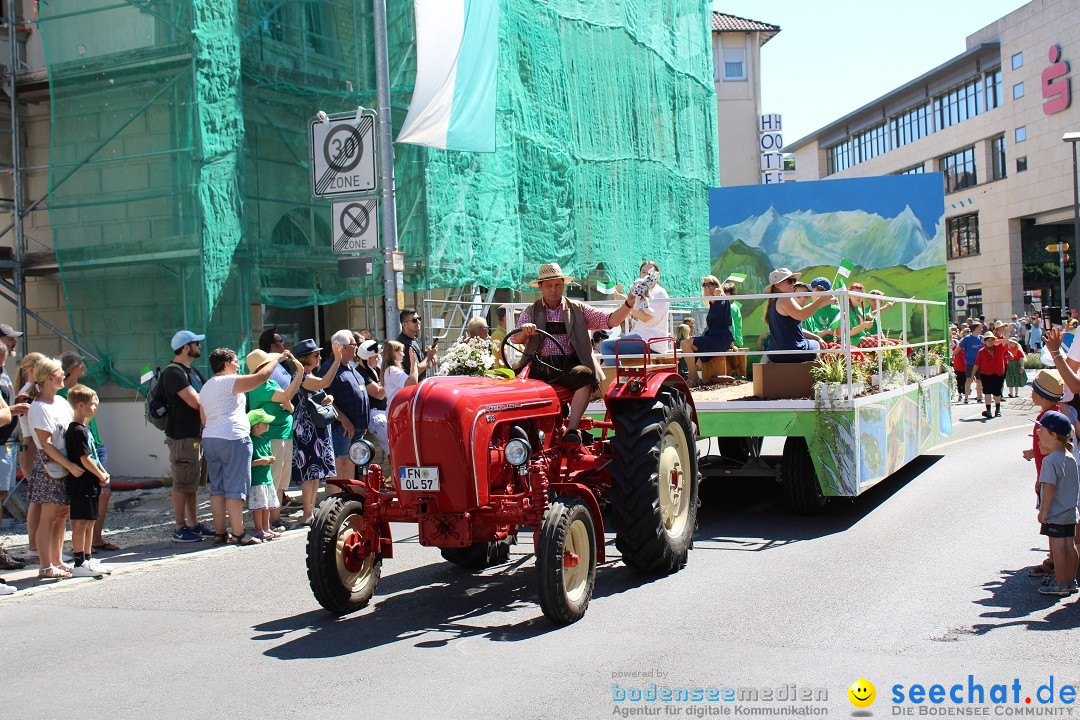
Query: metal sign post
[394, 297]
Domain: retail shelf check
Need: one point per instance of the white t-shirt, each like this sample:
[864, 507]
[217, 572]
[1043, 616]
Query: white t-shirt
[1074, 354]
[658, 326]
[225, 416]
[394, 378]
[53, 417]
[24, 420]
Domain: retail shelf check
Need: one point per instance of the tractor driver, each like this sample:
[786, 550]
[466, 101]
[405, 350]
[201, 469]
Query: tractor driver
[569, 322]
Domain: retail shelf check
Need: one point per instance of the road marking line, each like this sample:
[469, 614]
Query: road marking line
[973, 437]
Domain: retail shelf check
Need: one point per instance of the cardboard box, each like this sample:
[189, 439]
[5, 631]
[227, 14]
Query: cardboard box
[773, 381]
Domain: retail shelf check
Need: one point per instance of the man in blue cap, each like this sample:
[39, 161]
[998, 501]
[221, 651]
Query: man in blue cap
[824, 322]
[181, 384]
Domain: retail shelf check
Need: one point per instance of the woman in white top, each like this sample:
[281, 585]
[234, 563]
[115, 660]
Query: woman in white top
[226, 440]
[49, 419]
[24, 381]
[394, 376]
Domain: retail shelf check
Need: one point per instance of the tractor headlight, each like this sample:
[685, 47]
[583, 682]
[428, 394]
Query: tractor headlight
[361, 452]
[517, 452]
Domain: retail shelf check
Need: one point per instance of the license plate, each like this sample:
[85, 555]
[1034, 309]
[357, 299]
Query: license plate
[419, 479]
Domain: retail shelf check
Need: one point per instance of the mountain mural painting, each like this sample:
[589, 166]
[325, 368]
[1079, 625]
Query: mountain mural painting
[891, 228]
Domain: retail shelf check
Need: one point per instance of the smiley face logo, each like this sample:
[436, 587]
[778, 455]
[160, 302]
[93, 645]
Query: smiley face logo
[862, 693]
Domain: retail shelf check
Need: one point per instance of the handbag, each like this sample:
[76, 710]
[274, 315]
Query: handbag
[321, 415]
[55, 470]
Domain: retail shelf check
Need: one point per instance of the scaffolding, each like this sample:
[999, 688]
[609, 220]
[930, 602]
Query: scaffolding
[178, 192]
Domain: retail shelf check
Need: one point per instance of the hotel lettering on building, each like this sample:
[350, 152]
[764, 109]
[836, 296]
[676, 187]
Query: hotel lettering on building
[992, 120]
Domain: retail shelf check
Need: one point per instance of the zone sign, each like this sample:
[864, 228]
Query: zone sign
[342, 155]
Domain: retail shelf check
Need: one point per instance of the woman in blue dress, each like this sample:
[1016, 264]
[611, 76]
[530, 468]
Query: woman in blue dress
[313, 452]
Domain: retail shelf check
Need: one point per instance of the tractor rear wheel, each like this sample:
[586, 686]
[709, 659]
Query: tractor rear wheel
[480, 555]
[566, 560]
[654, 491]
[800, 481]
[342, 579]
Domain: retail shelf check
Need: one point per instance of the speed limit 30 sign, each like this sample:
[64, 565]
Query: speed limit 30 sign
[342, 155]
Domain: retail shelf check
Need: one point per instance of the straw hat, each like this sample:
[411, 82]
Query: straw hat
[1048, 384]
[549, 271]
[779, 275]
[257, 358]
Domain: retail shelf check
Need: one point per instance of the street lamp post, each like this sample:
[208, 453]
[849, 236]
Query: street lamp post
[1072, 138]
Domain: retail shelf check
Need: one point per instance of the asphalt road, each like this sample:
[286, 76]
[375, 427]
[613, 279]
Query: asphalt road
[921, 580]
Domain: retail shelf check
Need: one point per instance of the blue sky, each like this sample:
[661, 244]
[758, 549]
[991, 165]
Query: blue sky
[885, 196]
[834, 56]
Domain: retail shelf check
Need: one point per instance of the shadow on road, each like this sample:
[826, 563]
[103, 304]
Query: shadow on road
[751, 515]
[1014, 597]
[433, 605]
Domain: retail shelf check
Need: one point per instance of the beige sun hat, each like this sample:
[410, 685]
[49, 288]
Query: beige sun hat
[779, 275]
[257, 358]
[550, 271]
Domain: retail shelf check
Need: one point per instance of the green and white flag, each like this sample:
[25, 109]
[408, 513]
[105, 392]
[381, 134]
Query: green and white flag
[145, 374]
[605, 287]
[842, 272]
[736, 278]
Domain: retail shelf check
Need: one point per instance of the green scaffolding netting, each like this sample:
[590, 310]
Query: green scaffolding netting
[179, 190]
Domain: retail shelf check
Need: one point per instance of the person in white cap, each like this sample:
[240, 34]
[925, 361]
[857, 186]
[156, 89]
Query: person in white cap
[784, 317]
[569, 322]
[181, 383]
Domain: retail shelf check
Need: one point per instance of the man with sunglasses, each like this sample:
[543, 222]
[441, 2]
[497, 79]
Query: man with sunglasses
[181, 384]
[410, 338]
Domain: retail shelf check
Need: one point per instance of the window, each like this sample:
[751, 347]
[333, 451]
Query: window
[912, 125]
[1018, 91]
[974, 302]
[993, 89]
[913, 170]
[1018, 60]
[1021, 164]
[962, 236]
[959, 169]
[997, 152]
[959, 104]
[870, 143]
[734, 64]
[1020, 135]
[838, 157]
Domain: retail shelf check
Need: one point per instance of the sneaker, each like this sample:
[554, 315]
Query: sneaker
[85, 570]
[98, 566]
[279, 528]
[1056, 590]
[203, 531]
[9, 562]
[6, 589]
[986, 414]
[572, 437]
[185, 535]
[997, 412]
[1072, 586]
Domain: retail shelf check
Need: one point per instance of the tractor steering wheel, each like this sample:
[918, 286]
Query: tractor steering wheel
[535, 357]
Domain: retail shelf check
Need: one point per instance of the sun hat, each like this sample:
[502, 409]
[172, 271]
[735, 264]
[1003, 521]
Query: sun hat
[549, 271]
[367, 350]
[988, 336]
[1055, 422]
[304, 347]
[779, 275]
[259, 415]
[821, 282]
[257, 358]
[185, 337]
[1048, 384]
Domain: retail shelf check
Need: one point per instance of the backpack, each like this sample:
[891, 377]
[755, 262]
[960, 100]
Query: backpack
[155, 406]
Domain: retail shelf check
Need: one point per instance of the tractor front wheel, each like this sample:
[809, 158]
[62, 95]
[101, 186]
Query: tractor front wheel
[342, 577]
[654, 491]
[566, 560]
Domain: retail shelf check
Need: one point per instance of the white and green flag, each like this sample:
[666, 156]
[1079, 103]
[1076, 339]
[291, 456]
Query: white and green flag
[457, 54]
[843, 271]
[145, 374]
[736, 278]
[605, 287]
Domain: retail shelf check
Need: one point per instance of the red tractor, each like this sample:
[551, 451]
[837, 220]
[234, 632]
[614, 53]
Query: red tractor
[478, 459]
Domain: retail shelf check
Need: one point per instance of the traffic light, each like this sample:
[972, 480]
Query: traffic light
[1053, 247]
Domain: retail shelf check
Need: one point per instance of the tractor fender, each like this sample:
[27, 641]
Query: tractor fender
[652, 385]
[586, 495]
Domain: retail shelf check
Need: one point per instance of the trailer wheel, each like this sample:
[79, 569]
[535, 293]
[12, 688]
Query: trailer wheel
[342, 580]
[654, 491]
[566, 560]
[801, 487]
[739, 449]
[480, 555]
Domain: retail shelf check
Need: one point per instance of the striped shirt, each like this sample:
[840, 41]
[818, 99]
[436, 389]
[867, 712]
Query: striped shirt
[595, 320]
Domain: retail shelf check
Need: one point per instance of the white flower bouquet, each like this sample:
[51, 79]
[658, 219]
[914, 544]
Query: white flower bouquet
[468, 356]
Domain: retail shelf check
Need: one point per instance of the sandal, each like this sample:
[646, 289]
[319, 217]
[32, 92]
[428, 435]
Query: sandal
[106, 547]
[245, 539]
[221, 538]
[53, 573]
